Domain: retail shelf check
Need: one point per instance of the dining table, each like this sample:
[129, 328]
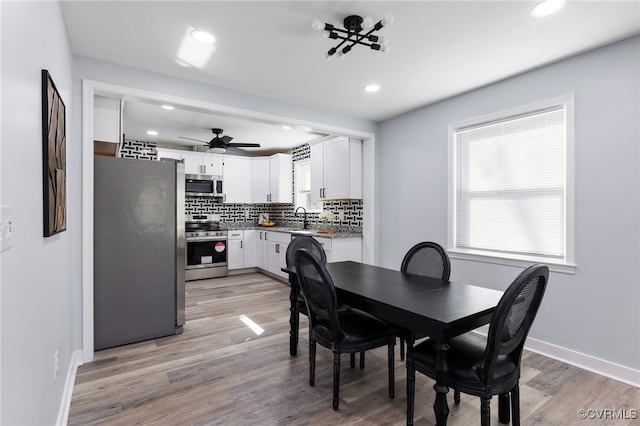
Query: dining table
[438, 308]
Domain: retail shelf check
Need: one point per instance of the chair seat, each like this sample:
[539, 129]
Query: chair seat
[464, 359]
[361, 331]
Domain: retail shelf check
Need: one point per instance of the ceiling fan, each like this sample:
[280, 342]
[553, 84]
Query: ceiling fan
[222, 143]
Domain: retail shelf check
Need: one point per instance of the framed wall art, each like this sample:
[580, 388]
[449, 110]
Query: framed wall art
[54, 158]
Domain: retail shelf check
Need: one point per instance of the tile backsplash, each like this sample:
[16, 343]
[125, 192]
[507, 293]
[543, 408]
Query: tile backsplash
[349, 210]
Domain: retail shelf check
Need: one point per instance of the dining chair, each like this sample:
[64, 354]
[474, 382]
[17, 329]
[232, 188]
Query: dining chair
[316, 249]
[428, 259]
[491, 366]
[346, 330]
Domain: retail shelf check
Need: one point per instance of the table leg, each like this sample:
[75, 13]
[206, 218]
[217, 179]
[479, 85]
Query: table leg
[440, 407]
[294, 317]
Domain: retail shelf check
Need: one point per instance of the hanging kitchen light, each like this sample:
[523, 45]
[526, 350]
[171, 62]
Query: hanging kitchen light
[357, 30]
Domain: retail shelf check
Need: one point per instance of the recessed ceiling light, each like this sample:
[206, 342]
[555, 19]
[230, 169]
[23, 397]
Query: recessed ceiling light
[371, 88]
[547, 7]
[169, 107]
[202, 36]
[286, 127]
[152, 133]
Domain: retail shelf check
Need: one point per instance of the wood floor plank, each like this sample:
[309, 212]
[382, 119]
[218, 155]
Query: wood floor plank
[219, 372]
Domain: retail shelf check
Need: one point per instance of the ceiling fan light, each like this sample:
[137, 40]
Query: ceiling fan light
[217, 150]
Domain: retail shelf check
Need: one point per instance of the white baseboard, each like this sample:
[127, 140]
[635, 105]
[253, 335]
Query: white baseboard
[586, 362]
[65, 402]
[590, 363]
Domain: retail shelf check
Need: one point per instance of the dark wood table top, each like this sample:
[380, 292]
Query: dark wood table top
[438, 308]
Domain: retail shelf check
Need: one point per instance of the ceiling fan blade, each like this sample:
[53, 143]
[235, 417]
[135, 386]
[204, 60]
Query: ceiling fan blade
[243, 145]
[191, 139]
[226, 139]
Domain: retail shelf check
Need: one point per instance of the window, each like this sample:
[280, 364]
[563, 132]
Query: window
[511, 191]
[303, 187]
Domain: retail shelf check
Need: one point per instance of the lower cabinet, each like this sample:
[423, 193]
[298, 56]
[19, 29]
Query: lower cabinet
[242, 249]
[275, 256]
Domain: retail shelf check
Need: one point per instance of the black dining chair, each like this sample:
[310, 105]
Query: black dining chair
[316, 249]
[491, 366]
[346, 330]
[428, 259]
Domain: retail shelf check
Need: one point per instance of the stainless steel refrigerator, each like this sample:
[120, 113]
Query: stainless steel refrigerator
[139, 250]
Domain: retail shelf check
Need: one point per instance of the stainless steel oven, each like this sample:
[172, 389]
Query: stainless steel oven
[206, 248]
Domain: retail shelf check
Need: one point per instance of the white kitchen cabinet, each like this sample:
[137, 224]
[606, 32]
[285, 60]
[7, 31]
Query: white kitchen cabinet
[236, 173]
[107, 119]
[275, 255]
[242, 249]
[169, 153]
[342, 249]
[272, 179]
[336, 169]
[250, 247]
[202, 163]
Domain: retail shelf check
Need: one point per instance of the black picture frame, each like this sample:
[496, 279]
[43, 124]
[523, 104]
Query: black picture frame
[54, 158]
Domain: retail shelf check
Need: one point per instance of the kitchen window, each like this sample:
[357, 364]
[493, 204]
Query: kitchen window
[511, 186]
[302, 180]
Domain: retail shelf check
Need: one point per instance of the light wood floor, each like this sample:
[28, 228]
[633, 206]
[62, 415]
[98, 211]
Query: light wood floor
[219, 372]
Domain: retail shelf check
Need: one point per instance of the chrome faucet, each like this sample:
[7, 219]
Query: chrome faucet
[305, 223]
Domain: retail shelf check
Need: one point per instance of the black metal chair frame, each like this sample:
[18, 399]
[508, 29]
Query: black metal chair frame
[496, 371]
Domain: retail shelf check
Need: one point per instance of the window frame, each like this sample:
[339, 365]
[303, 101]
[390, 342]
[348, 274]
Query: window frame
[296, 189]
[567, 264]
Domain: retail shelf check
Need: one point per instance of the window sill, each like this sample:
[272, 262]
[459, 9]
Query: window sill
[564, 268]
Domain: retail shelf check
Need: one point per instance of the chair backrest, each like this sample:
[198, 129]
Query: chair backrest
[308, 243]
[514, 316]
[428, 259]
[320, 294]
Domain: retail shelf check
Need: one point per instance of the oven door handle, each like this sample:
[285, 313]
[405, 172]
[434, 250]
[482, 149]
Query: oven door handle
[205, 239]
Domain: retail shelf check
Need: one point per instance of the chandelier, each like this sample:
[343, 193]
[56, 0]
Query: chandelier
[357, 30]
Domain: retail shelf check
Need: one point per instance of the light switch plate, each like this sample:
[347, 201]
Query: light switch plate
[6, 223]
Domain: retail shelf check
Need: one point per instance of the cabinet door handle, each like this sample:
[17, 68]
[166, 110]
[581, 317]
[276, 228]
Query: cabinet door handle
[277, 248]
[241, 244]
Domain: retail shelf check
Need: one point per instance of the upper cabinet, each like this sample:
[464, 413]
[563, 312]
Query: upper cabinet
[236, 176]
[336, 169]
[272, 179]
[107, 119]
[202, 163]
[169, 153]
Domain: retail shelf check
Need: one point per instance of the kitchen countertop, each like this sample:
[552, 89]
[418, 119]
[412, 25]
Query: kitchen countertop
[293, 230]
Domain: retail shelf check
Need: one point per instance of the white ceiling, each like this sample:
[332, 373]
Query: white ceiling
[438, 49]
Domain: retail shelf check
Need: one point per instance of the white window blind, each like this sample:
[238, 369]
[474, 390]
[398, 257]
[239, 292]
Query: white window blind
[510, 186]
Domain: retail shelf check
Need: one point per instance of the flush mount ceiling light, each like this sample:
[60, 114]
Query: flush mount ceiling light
[152, 133]
[357, 31]
[371, 88]
[547, 7]
[202, 36]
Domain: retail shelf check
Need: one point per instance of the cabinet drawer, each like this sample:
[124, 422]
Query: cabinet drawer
[278, 237]
[235, 235]
[326, 243]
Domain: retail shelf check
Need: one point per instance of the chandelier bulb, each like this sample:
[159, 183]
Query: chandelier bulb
[384, 48]
[323, 34]
[382, 40]
[367, 23]
[388, 18]
[317, 25]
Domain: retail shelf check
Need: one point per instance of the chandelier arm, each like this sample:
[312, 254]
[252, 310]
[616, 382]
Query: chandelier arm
[346, 39]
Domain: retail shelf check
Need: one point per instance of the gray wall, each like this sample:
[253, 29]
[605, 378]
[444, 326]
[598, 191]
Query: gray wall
[38, 273]
[595, 311]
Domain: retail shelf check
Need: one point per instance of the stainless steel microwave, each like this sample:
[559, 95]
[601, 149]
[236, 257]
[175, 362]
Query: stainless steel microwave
[203, 186]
